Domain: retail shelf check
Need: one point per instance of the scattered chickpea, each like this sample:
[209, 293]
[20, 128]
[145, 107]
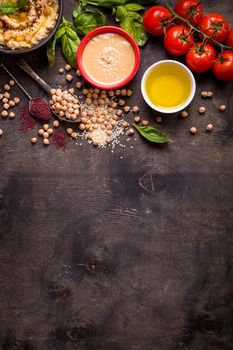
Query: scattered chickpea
[121, 102]
[61, 71]
[6, 95]
[5, 100]
[69, 131]
[78, 73]
[33, 140]
[158, 119]
[7, 87]
[45, 127]
[111, 93]
[123, 92]
[204, 94]
[124, 124]
[12, 82]
[6, 106]
[56, 123]
[71, 91]
[16, 100]
[11, 103]
[79, 85]
[11, 115]
[135, 109]
[145, 123]
[74, 135]
[4, 114]
[201, 110]
[137, 119]
[45, 135]
[85, 91]
[126, 109]
[193, 130]
[81, 127]
[184, 114]
[1, 97]
[209, 127]
[1, 132]
[67, 67]
[117, 92]
[222, 108]
[69, 77]
[46, 142]
[50, 131]
[52, 92]
[40, 132]
[130, 132]
[129, 93]
[118, 112]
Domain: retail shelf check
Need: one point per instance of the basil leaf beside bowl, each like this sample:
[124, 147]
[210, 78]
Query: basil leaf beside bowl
[151, 134]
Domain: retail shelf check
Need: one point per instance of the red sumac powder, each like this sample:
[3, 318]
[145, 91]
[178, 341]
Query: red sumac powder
[27, 122]
[59, 139]
[39, 108]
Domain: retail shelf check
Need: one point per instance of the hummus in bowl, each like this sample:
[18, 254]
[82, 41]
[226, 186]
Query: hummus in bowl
[30, 26]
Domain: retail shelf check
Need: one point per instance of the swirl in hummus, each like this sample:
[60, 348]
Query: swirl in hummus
[26, 28]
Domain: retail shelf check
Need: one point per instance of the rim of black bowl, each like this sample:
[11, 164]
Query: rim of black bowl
[7, 51]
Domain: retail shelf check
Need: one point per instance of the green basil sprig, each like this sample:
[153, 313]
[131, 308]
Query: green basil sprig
[86, 19]
[132, 22]
[8, 7]
[126, 12]
[69, 43]
[113, 3]
[151, 134]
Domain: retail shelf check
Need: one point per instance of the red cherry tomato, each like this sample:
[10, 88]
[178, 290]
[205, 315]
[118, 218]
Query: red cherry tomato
[156, 19]
[200, 58]
[191, 9]
[178, 41]
[216, 26]
[229, 41]
[223, 66]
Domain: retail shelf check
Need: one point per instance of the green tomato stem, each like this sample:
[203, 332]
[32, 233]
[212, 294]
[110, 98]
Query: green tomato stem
[194, 29]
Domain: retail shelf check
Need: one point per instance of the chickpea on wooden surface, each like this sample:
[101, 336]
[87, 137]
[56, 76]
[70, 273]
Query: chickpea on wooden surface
[193, 130]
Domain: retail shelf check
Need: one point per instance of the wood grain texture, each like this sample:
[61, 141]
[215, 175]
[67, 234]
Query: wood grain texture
[130, 250]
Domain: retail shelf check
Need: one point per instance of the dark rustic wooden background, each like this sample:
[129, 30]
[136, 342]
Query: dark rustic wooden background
[130, 250]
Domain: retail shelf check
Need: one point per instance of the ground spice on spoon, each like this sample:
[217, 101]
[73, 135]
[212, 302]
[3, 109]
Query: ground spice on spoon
[39, 108]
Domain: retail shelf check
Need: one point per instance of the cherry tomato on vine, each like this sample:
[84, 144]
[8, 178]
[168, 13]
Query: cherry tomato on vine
[216, 26]
[156, 19]
[200, 58]
[190, 9]
[178, 40]
[223, 66]
[229, 41]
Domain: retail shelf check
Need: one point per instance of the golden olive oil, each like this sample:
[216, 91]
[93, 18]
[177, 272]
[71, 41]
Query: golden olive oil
[168, 86]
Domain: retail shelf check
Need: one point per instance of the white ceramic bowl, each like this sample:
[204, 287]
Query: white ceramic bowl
[168, 110]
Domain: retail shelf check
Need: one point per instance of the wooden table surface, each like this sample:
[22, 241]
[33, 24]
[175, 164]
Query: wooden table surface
[131, 250]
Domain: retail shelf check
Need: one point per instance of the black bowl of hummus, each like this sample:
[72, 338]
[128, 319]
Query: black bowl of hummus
[27, 24]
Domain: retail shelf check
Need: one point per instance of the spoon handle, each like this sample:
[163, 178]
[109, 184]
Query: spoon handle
[23, 65]
[16, 81]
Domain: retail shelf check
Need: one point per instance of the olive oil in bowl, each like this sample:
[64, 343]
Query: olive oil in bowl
[168, 86]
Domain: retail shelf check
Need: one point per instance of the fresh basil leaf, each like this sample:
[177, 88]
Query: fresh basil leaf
[69, 49]
[107, 3]
[89, 20]
[79, 8]
[121, 12]
[151, 134]
[135, 16]
[7, 8]
[134, 7]
[136, 29]
[71, 33]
